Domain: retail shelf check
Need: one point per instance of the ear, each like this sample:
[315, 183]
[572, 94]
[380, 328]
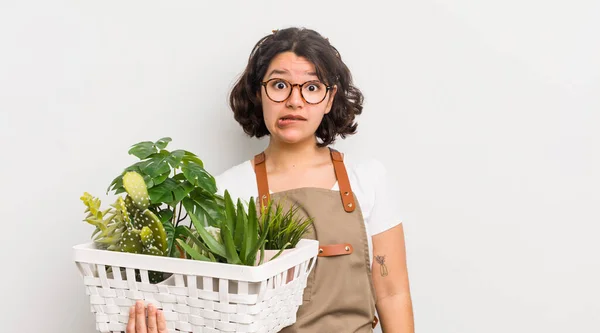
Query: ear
[332, 93]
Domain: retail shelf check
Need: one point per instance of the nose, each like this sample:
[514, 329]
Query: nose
[295, 101]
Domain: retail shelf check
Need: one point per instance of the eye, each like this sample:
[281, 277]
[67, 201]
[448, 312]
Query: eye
[313, 87]
[279, 84]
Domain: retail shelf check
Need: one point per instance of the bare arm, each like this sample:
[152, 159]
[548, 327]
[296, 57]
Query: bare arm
[390, 277]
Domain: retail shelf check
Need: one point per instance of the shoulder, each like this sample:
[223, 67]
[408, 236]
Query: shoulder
[369, 179]
[364, 166]
[238, 180]
[364, 172]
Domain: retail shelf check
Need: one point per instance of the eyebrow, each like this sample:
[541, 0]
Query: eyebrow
[284, 71]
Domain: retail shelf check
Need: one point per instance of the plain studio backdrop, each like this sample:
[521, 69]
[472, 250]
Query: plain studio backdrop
[484, 113]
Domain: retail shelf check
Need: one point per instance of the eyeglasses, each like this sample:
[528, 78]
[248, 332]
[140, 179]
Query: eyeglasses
[279, 90]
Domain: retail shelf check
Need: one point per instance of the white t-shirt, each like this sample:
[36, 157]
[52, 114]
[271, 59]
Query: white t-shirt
[368, 179]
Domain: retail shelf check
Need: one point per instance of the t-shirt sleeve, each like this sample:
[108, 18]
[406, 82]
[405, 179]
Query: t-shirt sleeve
[239, 181]
[385, 211]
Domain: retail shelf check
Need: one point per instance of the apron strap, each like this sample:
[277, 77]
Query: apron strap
[260, 169]
[343, 180]
[262, 183]
[335, 250]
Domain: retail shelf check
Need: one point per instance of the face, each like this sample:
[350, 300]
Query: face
[294, 120]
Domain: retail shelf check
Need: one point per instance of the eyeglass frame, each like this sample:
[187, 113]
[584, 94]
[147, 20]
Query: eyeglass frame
[293, 85]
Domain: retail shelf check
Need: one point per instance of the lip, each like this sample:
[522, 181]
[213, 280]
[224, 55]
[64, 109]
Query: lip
[289, 119]
[292, 117]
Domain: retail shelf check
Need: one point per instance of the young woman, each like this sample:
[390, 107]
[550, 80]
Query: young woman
[297, 90]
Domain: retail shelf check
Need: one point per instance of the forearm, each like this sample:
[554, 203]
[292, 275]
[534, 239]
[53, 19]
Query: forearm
[396, 313]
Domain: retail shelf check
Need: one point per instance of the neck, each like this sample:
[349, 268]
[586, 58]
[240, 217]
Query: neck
[284, 156]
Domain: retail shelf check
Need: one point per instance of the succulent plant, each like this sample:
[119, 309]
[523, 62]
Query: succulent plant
[243, 233]
[128, 226]
[235, 241]
[161, 190]
[283, 227]
[142, 219]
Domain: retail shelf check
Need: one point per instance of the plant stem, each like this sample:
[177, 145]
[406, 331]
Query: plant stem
[174, 218]
[179, 215]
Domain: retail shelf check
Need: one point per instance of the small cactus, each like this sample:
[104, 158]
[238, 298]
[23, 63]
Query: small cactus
[136, 188]
[129, 226]
[123, 213]
[130, 242]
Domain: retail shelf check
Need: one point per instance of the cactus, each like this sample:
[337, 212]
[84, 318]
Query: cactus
[128, 226]
[135, 187]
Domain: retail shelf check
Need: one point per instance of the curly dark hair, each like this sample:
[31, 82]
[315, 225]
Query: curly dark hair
[245, 100]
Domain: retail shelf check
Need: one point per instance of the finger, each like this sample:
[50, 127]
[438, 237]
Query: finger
[131, 322]
[140, 318]
[152, 319]
[161, 322]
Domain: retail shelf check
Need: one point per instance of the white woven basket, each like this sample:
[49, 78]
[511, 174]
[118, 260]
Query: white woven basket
[199, 296]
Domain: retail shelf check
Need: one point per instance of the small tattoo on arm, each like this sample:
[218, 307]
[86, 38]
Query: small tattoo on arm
[382, 268]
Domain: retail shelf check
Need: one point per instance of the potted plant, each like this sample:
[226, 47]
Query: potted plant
[282, 228]
[227, 253]
[243, 236]
[159, 189]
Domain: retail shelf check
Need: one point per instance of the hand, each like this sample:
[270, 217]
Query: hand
[137, 320]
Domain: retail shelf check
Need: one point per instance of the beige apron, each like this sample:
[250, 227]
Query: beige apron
[339, 296]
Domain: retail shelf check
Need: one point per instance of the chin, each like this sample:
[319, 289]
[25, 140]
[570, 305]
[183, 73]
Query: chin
[293, 138]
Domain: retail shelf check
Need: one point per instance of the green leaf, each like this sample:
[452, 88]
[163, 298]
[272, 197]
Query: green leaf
[212, 257]
[188, 233]
[260, 244]
[161, 178]
[196, 175]
[182, 190]
[193, 253]
[256, 244]
[156, 164]
[214, 246]
[232, 255]
[162, 143]
[179, 177]
[165, 215]
[200, 204]
[249, 242]
[240, 228]
[191, 157]
[175, 158]
[230, 217]
[176, 234]
[148, 180]
[134, 167]
[281, 251]
[142, 149]
[116, 184]
[262, 255]
[163, 192]
[170, 230]
[170, 192]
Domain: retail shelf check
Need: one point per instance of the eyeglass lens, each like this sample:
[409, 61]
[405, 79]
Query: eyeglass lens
[279, 90]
